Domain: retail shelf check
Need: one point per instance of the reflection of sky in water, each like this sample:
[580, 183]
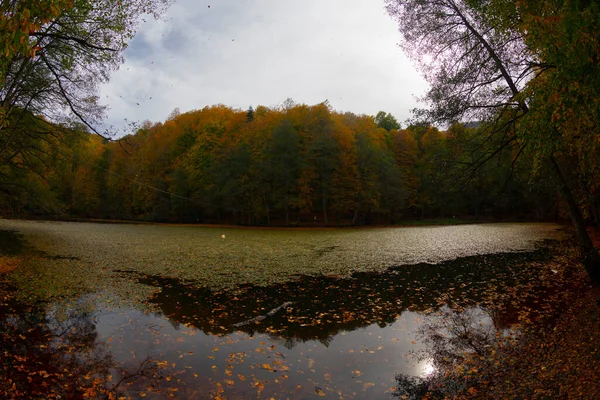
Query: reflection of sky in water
[425, 368]
[348, 337]
[360, 363]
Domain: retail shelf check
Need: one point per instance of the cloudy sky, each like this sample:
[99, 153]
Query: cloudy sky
[260, 52]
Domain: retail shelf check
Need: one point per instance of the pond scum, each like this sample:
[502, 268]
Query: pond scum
[513, 325]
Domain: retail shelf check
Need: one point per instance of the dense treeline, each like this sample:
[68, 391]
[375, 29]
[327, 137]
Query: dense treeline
[290, 165]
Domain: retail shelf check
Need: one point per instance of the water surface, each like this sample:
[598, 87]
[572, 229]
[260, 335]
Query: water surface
[160, 311]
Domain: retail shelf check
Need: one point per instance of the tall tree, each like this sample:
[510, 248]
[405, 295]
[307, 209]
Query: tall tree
[250, 114]
[481, 67]
[55, 53]
[386, 121]
[321, 150]
[281, 165]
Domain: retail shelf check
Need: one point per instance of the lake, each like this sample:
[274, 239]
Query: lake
[195, 312]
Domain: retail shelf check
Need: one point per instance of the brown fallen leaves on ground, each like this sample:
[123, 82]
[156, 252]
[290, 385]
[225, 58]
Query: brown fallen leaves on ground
[8, 264]
[558, 362]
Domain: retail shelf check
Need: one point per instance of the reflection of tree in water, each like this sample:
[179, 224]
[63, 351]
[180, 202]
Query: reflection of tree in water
[42, 356]
[413, 388]
[54, 352]
[324, 306]
[453, 338]
[474, 350]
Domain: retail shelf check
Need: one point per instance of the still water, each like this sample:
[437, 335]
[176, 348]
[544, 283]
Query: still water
[192, 312]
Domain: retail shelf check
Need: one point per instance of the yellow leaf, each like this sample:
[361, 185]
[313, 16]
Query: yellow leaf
[267, 367]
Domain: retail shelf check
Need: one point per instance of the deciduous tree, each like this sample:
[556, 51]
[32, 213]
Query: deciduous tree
[482, 66]
[55, 53]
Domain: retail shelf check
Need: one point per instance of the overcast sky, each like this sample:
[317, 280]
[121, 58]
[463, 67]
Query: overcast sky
[260, 52]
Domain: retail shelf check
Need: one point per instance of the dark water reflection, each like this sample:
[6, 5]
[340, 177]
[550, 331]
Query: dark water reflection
[341, 337]
[43, 354]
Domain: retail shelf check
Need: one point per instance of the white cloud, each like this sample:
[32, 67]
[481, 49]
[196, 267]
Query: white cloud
[255, 52]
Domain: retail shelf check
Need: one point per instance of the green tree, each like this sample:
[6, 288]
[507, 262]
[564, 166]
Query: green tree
[321, 150]
[281, 165]
[386, 121]
[250, 114]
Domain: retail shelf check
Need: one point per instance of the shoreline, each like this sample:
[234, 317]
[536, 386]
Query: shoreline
[299, 227]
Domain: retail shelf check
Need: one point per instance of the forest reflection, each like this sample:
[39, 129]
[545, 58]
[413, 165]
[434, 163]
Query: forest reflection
[321, 307]
[54, 351]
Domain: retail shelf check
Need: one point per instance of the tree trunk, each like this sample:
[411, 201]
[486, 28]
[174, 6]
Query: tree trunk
[287, 215]
[325, 209]
[589, 254]
[595, 207]
[268, 216]
[355, 217]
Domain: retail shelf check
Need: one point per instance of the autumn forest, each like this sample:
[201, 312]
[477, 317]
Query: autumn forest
[507, 131]
[295, 164]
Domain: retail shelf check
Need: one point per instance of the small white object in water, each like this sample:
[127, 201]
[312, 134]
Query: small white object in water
[555, 271]
[222, 236]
